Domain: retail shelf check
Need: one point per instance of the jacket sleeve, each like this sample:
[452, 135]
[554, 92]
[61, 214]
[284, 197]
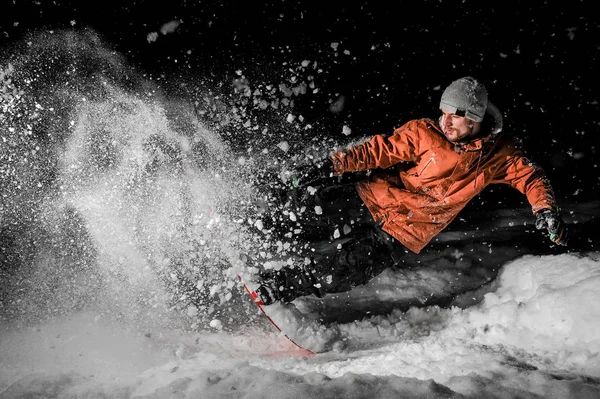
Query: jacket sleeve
[527, 177]
[379, 151]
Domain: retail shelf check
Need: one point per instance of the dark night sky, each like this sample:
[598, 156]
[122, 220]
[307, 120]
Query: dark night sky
[539, 59]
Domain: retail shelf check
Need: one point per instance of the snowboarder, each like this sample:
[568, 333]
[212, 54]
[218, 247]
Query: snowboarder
[417, 181]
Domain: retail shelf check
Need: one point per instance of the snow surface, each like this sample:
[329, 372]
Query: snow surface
[534, 335]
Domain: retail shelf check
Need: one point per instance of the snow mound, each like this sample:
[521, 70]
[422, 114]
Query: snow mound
[544, 303]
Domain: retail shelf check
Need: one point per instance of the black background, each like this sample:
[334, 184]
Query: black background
[538, 59]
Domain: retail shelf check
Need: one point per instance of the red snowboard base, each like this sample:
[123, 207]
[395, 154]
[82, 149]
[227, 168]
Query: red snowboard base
[256, 299]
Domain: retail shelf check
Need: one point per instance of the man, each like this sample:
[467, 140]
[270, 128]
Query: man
[417, 181]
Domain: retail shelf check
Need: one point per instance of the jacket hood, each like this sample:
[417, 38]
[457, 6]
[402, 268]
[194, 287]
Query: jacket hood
[492, 126]
[494, 118]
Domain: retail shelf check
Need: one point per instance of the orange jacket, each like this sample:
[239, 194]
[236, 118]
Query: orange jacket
[428, 179]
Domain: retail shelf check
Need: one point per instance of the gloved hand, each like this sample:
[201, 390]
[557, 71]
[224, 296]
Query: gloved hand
[550, 220]
[310, 172]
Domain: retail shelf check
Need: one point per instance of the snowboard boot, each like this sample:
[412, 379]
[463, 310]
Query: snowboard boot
[287, 284]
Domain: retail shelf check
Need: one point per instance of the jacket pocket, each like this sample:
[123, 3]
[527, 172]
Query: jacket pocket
[421, 169]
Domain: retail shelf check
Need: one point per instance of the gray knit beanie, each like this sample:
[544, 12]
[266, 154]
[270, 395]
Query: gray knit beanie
[465, 97]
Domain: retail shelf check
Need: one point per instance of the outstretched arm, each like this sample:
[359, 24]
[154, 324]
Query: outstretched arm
[531, 180]
[380, 151]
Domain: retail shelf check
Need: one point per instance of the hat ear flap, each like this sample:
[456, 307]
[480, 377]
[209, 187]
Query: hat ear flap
[496, 119]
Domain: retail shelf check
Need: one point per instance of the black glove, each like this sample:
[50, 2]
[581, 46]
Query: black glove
[550, 219]
[308, 173]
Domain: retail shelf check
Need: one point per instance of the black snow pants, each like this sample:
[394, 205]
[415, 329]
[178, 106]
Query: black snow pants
[347, 247]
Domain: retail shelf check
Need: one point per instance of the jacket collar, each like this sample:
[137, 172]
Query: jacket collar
[474, 145]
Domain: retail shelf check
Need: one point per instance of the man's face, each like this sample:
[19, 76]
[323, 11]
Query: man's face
[458, 128]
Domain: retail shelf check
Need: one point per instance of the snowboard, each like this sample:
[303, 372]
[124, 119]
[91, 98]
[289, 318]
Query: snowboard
[258, 302]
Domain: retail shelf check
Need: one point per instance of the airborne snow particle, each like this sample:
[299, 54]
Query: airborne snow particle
[283, 146]
[192, 311]
[215, 323]
[170, 27]
[151, 37]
